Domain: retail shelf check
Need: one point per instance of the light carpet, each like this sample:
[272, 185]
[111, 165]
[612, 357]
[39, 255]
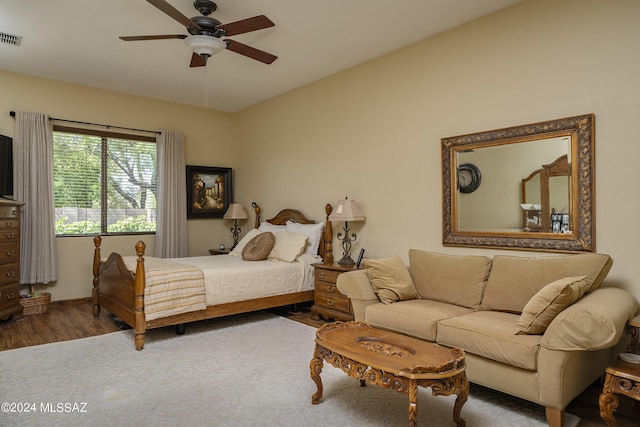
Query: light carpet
[246, 370]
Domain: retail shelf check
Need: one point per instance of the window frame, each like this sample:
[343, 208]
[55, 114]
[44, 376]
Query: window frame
[103, 173]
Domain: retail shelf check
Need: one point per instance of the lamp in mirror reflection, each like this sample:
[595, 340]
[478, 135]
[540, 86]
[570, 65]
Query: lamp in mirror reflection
[347, 211]
[235, 212]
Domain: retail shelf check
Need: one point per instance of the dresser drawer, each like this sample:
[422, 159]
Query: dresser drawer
[9, 253]
[9, 273]
[9, 223]
[335, 301]
[9, 212]
[9, 296]
[329, 288]
[326, 275]
[9, 235]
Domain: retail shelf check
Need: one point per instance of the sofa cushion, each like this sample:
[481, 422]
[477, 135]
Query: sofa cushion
[454, 279]
[390, 279]
[515, 280]
[490, 334]
[416, 317]
[549, 302]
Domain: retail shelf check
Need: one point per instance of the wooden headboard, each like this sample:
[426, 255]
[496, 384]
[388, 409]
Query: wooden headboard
[325, 250]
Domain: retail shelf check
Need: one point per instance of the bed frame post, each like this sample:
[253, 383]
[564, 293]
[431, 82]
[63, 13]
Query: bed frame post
[138, 303]
[256, 208]
[328, 236]
[96, 276]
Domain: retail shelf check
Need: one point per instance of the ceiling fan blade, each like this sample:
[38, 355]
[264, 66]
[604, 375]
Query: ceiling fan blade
[198, 61]
[246, 25]
[174, 13]
[250, 52]
[168, 36]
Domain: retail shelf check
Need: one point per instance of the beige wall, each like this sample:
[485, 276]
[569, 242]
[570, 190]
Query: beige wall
[373, 132]
[207, 134]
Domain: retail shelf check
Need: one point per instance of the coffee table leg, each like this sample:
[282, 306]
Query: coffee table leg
[461, 399]
[315, 367]
[413, 403]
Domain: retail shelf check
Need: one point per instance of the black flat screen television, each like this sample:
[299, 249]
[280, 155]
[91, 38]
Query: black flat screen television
[6, 166]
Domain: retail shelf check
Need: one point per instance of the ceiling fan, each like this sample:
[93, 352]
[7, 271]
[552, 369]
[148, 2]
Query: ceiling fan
[206, 32]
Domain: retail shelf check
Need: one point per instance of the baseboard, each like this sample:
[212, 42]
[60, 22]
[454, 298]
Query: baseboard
[72, 301]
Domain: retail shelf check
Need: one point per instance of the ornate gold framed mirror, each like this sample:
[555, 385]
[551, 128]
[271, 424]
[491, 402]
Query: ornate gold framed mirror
[537, 188]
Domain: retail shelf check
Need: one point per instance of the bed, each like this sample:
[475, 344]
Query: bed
[135, 289]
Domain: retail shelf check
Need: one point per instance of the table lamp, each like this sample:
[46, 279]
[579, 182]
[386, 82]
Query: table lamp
[235, 212]
[347, 211]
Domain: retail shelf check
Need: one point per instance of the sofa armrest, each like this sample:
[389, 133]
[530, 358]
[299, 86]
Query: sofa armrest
[355, 285]
[595, 322]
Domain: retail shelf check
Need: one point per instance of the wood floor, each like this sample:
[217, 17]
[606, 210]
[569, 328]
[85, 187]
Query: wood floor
[72, 320]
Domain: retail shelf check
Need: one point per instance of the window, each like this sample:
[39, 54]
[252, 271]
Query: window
[104, 182]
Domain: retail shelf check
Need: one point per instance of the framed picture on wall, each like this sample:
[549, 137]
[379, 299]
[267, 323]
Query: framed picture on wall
[209, 191]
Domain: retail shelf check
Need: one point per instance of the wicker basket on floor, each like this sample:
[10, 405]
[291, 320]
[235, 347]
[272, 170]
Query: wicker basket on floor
[36, 305]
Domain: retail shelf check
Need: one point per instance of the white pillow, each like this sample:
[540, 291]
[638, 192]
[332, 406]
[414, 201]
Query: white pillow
[237, 251]
[288, 246]
[313, 231]
[267, 226]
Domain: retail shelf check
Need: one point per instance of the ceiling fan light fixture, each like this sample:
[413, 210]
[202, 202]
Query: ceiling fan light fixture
[205, 45]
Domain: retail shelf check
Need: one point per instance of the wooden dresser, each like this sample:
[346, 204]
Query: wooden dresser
[10, 259]
[328, 302]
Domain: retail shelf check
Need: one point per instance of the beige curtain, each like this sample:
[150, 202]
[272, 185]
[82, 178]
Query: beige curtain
[33, 183]
[171, 222]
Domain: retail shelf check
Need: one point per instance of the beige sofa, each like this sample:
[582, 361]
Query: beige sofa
[542, 329]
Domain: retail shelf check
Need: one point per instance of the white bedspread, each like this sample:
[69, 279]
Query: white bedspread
[230, 279]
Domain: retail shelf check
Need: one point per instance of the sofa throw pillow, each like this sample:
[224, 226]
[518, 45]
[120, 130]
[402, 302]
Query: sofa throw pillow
[288, 246]
[258, 248]
[390, 279]
[550, 301]
[237, 251]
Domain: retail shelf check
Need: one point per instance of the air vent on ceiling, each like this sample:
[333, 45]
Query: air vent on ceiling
[10, 39]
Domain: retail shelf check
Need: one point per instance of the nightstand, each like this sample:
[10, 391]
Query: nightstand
[328, 302]
[218, 252]
[622, 378]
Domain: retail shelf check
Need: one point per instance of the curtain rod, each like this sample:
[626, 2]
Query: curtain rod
[13, 114]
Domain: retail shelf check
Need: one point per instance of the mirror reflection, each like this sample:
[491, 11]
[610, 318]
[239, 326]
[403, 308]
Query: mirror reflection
[496, 204]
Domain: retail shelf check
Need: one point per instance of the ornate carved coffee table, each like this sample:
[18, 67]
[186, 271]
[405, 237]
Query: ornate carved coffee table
[391, 360]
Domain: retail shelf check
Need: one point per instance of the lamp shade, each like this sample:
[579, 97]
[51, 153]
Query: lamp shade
[235, 211]
[347, 210]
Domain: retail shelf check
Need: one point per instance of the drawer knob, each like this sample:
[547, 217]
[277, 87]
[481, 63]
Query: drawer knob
[11, 253]
[11, 235]
[330, 302]
[331, 288]
[11, 296]
[321, 275]
[11, 274]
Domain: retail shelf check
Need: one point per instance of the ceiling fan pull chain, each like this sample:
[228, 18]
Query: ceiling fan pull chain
[206, 88]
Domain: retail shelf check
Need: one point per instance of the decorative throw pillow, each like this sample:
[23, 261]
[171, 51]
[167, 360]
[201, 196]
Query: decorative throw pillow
[313, 231]
[390, 279]
[237, 251]
[550, 301]
[258, 248]
[288, 246]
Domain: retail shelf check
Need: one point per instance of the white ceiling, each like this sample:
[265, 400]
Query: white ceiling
[77, 41]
